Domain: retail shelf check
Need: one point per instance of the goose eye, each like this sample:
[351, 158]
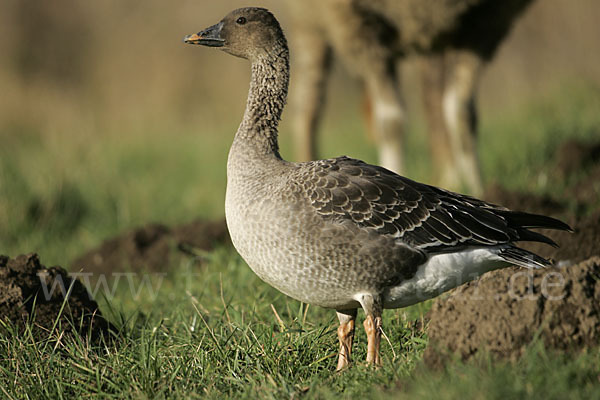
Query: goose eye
[241, 20]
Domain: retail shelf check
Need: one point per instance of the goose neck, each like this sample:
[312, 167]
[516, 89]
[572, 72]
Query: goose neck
[266, 99]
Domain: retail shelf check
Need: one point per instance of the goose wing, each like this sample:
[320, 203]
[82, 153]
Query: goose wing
[422, 216]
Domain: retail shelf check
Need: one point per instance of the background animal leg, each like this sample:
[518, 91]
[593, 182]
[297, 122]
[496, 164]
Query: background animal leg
[313, 64]
[445, 172]
[388, 116]
[463, 70]
[362, 40]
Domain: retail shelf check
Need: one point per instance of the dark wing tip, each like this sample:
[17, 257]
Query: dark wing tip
[530, 236]
[527, 220]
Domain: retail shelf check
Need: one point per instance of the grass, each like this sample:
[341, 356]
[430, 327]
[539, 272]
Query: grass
[538, 375]
[518, 147]
[210, 331]
[220, 337]
[215, 335]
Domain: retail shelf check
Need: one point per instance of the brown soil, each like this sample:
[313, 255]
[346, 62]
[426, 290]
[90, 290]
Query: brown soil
[30, 291]
[152, 247]
[504, 311]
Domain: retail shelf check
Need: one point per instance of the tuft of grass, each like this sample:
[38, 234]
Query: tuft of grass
[540, 374]
[221, 333]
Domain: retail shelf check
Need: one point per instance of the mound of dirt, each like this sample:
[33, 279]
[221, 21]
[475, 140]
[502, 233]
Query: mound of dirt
[151, 247]
[30, 291]
[504, 311]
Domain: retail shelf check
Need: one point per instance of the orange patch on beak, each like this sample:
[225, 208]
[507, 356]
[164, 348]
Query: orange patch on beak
[193, 38]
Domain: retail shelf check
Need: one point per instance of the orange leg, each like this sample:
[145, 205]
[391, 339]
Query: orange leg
[346, 336]
[373, 307]
[372, 326]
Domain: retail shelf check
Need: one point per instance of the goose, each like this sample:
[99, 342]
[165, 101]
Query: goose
[340, 233]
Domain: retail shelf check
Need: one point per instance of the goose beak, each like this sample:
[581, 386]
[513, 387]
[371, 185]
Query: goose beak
[210, 37]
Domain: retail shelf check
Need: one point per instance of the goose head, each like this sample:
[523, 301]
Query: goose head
[246, 32]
